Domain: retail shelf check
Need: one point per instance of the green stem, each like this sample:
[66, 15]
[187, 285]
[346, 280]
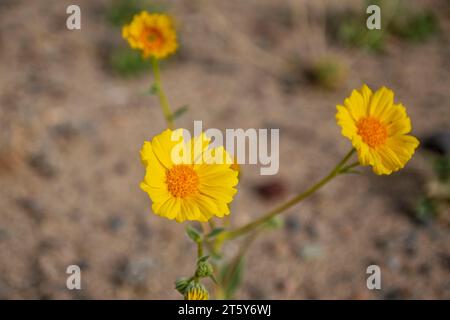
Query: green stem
[349, 167]
[212, 224]
[233, 267]
[162, 97]
[199, 249]
[258, 222]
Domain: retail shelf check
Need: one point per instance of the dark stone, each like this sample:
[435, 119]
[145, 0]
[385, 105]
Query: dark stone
[381, 244]
[424, 269]
[280, 285]
[83, 264]
[66, 130]
[115, 223]
[47, 244]
[32, 208]
[292, 224]
[42, 164]
[311, 231]
[144, 230]
[4, 235]
[394, 263]
[134, 271]
[445, 261]
[395, 294]
[5, 290]
[7, 4]
[256, 293]
[410, 244]
[120, 168]
[438, 143]
[271, 190]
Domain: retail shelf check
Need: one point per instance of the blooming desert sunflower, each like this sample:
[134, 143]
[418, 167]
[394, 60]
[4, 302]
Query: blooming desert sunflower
[378, 129]
[153, 34]
[187, 189]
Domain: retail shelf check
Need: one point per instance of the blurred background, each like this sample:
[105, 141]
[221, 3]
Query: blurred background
[75, 109]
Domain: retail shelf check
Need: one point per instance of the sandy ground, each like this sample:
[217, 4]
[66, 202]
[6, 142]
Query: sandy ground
[70, 170]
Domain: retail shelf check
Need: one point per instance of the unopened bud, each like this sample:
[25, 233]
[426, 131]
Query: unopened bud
[182, 284]
[204, 269]
[196, 291]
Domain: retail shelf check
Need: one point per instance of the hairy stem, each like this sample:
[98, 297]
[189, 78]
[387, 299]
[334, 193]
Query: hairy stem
[160, 92]
[199, 249]
[258, 222]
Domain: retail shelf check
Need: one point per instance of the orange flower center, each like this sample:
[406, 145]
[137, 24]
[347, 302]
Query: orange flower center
[152, 38]
[372, 131]
[182, 180]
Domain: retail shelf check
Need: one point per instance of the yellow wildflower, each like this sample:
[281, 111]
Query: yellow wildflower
[187, 189]
[378, 129]
[153, 34]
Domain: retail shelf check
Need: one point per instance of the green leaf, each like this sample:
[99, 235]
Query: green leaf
[275, 223]
[215, 232]
[202, 259]
[193, 234]
[213, 278]
[179, 112]
[231, 277]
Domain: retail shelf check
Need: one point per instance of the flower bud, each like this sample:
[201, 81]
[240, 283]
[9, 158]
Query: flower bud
[204, 269]
[182, 284]
[196, 291]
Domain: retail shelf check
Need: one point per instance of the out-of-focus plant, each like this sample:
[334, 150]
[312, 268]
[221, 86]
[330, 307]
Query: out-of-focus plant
[351, 33]
[187, 190]
[349, 28]
[329, 73]
[414, 26]
[121, 12]
[435, 203]
[126, 62]
[399, 19]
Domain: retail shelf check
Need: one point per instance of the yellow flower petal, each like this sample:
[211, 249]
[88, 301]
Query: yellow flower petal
[355, 105]
[366, 94]
[169, 209]
[162, 146]
[381, 102]
[400, 126]
[218, 193]
[346, 121]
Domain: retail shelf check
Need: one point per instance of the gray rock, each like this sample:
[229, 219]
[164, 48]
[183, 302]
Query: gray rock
[32, 207]
[115, 223]
[438, 143]
[292, 224]
[42, 164]
[134, 271]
